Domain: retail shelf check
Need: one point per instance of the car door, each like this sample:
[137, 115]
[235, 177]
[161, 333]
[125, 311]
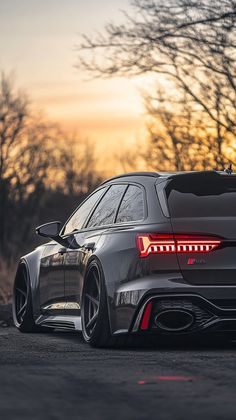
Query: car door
[52, 264]
[51, 278]
[85, 241]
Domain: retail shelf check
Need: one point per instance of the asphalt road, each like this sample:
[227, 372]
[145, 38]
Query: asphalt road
[57, 376]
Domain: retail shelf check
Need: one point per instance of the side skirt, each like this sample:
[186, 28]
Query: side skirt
[70, 323]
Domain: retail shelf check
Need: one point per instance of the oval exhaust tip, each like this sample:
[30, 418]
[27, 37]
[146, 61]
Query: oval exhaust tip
[174, 320]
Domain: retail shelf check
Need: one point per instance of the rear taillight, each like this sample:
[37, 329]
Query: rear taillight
[167, 244]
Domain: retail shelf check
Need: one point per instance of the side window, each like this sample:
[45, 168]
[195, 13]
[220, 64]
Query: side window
[132, 205]
[105, 212]
[79, 217]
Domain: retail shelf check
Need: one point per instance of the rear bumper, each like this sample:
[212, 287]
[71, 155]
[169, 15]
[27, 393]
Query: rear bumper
[206, 316]
[213, 307]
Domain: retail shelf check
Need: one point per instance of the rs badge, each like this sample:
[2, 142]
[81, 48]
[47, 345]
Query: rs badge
[194, 261]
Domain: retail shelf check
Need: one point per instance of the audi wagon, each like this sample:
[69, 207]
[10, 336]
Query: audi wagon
[147, 254]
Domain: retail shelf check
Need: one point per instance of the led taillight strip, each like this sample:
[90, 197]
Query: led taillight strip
[167, 244]
[197, 246]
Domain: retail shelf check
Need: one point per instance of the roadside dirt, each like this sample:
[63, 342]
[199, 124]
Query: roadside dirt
[5, 315]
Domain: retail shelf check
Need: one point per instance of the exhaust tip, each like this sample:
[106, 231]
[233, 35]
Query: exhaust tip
[174, 320]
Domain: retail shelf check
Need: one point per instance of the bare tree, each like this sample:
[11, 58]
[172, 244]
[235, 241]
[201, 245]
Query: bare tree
[38, 164]
[191, 43]
[77, 165]
[132, 158]
[13, 115]
[180, 138]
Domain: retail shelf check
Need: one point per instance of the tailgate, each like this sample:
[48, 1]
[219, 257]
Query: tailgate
[203, 206]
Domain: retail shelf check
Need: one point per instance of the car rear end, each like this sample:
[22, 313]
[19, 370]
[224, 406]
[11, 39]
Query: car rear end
[190, 263]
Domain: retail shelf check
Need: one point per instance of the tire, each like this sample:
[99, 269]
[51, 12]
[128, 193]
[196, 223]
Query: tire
[99, 333]
[22, 309]
[94, 312]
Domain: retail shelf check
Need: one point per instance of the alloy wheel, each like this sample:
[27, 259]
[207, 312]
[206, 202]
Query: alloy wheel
[91, 306]
[21, 297]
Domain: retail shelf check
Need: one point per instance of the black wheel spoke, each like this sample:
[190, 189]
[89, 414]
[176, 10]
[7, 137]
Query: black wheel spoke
[90, 309]
[22, 309]
[92, 321]
[22, 292]
[97, 282]
[21, 297]
[26, 283]
[92, 299]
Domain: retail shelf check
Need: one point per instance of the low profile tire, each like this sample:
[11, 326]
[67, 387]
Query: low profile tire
[94, 313]
[22, 309]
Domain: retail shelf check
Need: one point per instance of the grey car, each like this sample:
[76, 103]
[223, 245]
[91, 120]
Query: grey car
[147, 254]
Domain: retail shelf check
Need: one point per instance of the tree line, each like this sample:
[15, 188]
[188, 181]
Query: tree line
[43, 172]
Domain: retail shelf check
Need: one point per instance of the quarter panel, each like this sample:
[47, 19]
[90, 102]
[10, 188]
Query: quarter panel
[123, 267]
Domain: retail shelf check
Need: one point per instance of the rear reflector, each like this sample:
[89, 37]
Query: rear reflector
[146, 316]
[169, 244]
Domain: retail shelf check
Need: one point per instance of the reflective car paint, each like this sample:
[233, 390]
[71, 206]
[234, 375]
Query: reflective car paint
[130, 281]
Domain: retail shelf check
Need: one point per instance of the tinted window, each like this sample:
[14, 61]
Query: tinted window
[202, 196]
[105, 212]
[80, 216]
[132, 205]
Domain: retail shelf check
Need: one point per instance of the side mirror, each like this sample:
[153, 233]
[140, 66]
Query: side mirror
[49, 230]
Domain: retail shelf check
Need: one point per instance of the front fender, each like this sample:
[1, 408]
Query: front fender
[32, 263]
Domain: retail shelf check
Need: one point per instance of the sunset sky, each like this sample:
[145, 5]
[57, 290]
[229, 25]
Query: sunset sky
[37, 44]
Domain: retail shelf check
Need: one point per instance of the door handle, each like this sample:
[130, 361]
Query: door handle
[90, 246]
[62, 250]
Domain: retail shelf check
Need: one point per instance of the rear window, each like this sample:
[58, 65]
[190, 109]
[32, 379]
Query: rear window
[202, 196]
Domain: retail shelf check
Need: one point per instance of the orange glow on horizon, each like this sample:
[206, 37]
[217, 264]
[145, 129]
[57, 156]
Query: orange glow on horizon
[42, 57]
